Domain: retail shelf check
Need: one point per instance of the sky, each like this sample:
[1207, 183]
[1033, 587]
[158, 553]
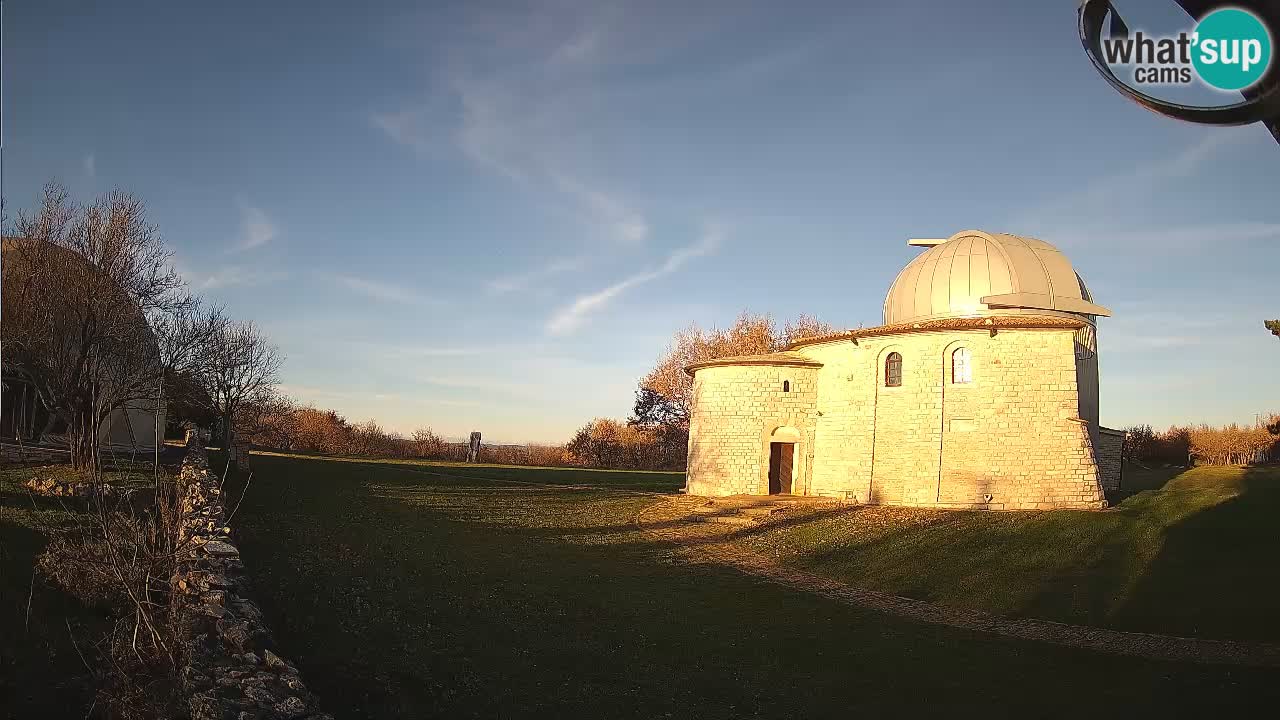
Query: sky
[493, 216]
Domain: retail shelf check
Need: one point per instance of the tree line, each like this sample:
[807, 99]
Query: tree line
[287, 425]
[655, 437]
[1203, 444]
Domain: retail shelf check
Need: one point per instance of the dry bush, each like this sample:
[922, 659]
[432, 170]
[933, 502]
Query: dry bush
[426, 443]
[285, 425]
[607, 443]
[121, 555]
[1232, 445]
[1204, 444]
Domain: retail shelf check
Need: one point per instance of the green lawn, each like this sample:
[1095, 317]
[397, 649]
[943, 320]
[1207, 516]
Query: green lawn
[41, 674]
[1196, 557]
[420, 590]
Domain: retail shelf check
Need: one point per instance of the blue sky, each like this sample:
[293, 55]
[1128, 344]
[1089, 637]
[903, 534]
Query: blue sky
[493, 216]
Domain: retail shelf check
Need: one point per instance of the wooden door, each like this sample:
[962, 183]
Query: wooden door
[784, 467]
[781, 457]
[775, 464]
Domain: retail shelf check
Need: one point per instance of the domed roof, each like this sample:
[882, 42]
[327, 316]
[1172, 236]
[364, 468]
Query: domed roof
[974, 273]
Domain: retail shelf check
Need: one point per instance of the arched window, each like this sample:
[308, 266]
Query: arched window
[893, 370]
[962, 365]
[786, 386]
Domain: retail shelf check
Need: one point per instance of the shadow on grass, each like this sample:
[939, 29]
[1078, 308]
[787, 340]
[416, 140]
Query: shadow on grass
[41, 673]
[487, 608]
[1218, 571]
[1137, 478]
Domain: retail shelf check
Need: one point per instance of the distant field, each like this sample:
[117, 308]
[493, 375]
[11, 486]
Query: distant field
[643, 480]
[417, 589]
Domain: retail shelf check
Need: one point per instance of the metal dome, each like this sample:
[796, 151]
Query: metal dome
[974, 273]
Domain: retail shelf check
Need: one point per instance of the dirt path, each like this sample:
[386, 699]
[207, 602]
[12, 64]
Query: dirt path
[700, 542]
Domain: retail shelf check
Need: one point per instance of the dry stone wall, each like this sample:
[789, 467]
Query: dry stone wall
[233, 672]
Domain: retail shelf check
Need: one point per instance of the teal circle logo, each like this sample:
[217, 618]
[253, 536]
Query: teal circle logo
[1232, 49]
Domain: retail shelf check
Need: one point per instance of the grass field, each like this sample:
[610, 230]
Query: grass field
[1196, 557]
[41, 673]
[418, 590]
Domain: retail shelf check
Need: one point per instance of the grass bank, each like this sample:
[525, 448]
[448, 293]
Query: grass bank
[414, 590]
[1195, 556]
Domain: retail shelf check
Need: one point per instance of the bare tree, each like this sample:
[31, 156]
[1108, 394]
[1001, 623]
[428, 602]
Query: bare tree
[426, 443]
[80, 283]
[665, 394]
[238, 370]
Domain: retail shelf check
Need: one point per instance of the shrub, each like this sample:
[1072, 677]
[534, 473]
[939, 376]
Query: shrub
[1232, 445]
[1204, 444]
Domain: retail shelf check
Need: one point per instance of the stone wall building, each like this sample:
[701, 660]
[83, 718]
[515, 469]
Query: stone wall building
[980, 390]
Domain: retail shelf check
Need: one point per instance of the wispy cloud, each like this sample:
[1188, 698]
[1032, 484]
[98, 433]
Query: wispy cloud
[1115, 210]
[441, 351]
[574, 315]
[309, 393]
[486, 384]
[228, 276]
[522, 281]
[1176, 238]
[1111, 191]
[520, 108]
[408, 352]
[90, 166]
[521, 128]
[256, 228]
[385, 291]
[1109, 209]
[404, 127]
[1142, 328]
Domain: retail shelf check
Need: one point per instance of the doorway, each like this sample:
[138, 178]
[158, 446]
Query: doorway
[781, 455]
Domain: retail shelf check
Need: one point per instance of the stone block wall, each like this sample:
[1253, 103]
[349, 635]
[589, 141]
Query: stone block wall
[736, 411]
[1110, 450]
[1009, 439]
[232, 671]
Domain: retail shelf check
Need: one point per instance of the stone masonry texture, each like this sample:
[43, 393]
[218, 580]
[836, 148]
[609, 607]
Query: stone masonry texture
[232, 672]
[1018, 436]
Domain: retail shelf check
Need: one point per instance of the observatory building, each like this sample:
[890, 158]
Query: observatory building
[980, 390]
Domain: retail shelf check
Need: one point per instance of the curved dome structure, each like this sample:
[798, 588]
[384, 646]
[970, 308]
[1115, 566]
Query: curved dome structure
[975, 273]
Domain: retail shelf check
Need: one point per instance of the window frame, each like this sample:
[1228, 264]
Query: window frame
[892, 380]
[967, 375]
